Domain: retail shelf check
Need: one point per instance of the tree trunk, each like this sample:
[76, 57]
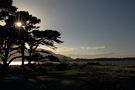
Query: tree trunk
[30, 56]
[22, 52]
[5, 65]
[30, 59]
[5, 58]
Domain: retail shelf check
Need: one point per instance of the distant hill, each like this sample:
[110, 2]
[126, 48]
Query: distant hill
[44, 53]
[105, 59]
[59, 56]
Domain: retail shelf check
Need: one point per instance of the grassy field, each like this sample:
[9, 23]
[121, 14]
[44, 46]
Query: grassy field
[69, 77]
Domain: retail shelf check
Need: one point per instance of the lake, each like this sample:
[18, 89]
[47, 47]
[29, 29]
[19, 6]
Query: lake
[85, 62]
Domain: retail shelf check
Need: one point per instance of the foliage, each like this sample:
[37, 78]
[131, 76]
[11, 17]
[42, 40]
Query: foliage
[13, 38]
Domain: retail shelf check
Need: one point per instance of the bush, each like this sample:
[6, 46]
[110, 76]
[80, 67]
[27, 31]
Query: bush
[62, 66]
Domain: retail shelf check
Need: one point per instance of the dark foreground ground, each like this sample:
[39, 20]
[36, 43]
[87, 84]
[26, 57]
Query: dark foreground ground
[69, 77]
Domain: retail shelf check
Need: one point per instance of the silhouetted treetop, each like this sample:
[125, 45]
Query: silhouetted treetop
[6, 3]
[6, 8]
[48, 34]
[25, 18]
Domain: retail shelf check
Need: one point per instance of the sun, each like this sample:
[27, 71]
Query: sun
[18, 24]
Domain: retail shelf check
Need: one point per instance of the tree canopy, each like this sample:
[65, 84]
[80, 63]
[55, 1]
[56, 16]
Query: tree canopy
[21, 28]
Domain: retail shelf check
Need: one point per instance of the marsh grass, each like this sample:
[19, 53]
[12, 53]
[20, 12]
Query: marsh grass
[71, 77]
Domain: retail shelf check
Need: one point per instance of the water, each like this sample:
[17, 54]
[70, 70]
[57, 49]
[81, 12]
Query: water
[85, 62]
[17, 63]
[20, 63]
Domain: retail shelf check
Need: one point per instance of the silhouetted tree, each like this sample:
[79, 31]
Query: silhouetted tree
[6, 9]
[44, 37]
[13, 37]
[28, 24]
[6, 33]
[37, 56]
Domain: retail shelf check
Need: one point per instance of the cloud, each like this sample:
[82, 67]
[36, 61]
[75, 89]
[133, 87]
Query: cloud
[59, 49]
[65, 49]
[93, 48]
[91, 55]
[87, 52]
[71, 49]
[80, 50]
[84, 52]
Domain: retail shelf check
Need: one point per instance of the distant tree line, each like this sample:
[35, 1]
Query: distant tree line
[105, 59]
[19, 32]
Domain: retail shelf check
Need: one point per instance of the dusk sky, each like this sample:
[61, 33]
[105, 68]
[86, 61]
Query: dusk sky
[89, 28]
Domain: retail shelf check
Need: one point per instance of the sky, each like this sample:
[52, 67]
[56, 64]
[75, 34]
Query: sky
[89, 28]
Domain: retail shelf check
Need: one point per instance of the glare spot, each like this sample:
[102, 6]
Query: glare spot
[18, 24]
[27, 46]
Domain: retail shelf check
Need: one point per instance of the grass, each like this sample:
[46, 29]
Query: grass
[76, 77]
